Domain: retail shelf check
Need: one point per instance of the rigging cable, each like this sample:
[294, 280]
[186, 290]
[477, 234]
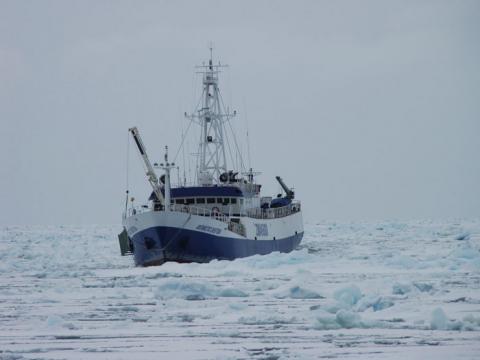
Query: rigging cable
[188, 128]
[233, 133]
[229, 149]
[183, 139]
[221, 107]
[248, 136]
[184, 165]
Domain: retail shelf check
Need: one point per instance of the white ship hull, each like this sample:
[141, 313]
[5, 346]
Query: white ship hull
[159, 236]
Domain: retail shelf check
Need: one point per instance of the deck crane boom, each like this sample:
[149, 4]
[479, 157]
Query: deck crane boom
[290, 193]
[152, 177]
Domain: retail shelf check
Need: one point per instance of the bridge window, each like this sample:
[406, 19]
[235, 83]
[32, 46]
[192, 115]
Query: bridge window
[179, 201]
[233, 200]
[200, 200]
[210, 200]
[226, 201]
[190, 201]
[219, 200]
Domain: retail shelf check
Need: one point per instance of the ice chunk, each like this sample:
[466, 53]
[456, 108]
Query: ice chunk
[348, 319]
[463, 236]
[41, 275]
[185, 317]
[345, 319]
[455, 325]
[298, 292]
[471, 323]
[54, 321]
[232, 292]
[334, 307]
[438, 320]
[12, 357]
[377, 303]
[326, 321]
[401, 289]
[238, 306]
[190, 290]
[423, 287]
[348, 295]
[382, 303]
[183, 289]
[457, 300]
[161, 275]
[266, 320]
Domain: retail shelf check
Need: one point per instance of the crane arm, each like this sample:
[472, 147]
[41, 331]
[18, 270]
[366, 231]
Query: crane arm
[288, 191]
[151, 176]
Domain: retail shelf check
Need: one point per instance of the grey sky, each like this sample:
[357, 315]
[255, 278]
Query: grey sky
[371, 109]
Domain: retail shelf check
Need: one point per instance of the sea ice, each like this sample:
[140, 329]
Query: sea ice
[401, 289]
[348, 319]
[438, 320]
[348, 295]
[191, 290]
[343, 319]
[463, 236]
[182, 289]
[231, 292]
[298, 292]
[353, 290]
[423, 287]
[375, 302]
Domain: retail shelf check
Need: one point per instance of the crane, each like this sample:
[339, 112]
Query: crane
[290, 193]
[151, 176]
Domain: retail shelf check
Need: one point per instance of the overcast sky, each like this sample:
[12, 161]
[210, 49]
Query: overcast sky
[371, 109]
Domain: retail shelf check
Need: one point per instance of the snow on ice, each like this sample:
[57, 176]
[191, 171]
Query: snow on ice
[352, 290]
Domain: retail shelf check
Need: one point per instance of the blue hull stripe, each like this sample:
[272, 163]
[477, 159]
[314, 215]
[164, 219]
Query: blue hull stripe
[156, 245]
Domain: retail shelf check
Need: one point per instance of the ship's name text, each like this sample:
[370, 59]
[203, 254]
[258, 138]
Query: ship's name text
[209, 229]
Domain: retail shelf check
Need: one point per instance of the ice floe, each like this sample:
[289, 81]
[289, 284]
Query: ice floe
[352, 290]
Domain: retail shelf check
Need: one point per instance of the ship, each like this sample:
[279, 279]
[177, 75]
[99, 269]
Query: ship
[220, 214]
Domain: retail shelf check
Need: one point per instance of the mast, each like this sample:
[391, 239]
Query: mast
[167, 166]
[212, 161]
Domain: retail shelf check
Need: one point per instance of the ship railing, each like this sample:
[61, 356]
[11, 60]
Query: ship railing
[195, 210]
[134, 210]
[274, 213]
[182, 184]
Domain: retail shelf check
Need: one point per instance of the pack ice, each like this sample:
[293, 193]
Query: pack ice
[385, 290]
